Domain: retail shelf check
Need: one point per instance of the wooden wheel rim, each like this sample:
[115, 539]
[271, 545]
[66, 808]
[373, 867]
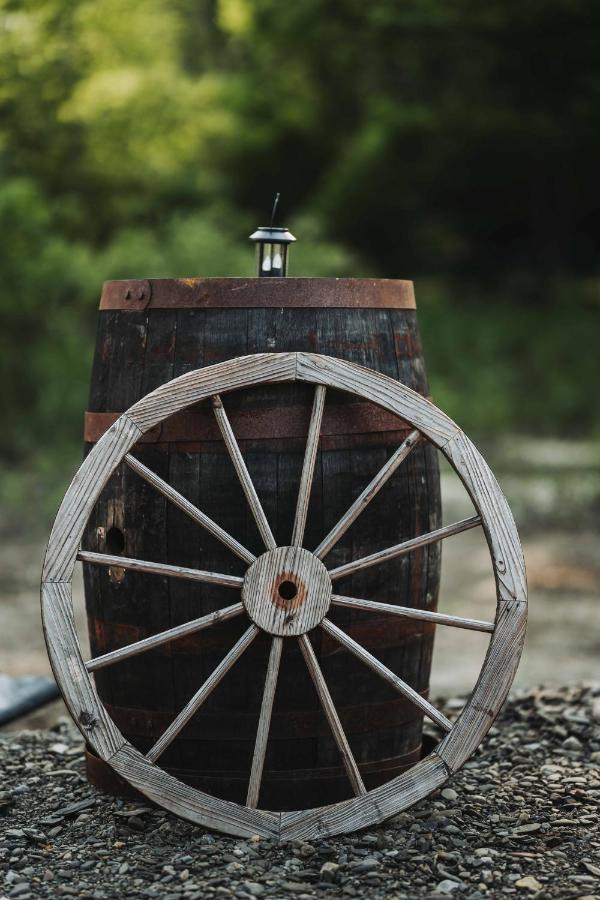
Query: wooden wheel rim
[76, 684]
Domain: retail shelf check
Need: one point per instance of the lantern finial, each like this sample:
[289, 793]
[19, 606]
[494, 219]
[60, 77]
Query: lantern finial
[274, 210]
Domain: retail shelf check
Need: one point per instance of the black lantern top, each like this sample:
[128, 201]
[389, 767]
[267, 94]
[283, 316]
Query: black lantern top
[272, 248]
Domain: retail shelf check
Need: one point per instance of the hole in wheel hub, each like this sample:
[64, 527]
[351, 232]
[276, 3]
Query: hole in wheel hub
[287, 591]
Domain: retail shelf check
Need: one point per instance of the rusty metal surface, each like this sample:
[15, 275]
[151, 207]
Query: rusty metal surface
[256, 424]
[376, 633]
[100, 774]
[296, 724]
[106, 779]
[230, 293]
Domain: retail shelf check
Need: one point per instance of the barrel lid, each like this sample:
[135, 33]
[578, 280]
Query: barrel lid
[224, 293]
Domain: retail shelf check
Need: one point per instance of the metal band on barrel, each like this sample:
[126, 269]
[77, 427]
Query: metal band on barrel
[251, 293]
[257, 424]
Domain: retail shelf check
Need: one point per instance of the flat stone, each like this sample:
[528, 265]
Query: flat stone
[253, 888]
[529, 883]
[529, 828]
[446, 886]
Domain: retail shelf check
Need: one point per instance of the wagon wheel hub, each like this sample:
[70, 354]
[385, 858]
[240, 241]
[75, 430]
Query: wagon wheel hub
[287, 591]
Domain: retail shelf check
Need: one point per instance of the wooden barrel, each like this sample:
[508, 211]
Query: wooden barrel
[152, 331]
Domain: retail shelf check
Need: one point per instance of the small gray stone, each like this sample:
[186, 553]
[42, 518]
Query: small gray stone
[365, 865]
[253, 888]
[328, 871]
[446, 886]
[529, 828]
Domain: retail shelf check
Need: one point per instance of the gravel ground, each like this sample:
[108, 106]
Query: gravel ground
[520, 819]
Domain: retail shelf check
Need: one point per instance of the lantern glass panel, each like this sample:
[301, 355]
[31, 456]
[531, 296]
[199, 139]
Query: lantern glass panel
[272, 258]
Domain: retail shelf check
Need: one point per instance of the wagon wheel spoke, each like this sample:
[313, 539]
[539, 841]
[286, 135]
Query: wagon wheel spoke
[408, 612]
[189, 509]
[405, 547]
[392, 679]
[371, 490]
[154, 568]
[264, 723]
[164, 637]
[331, 715]
[201, 694]
[308, 467]
[243, 473]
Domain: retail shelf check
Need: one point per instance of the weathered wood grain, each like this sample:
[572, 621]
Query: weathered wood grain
[405, 547]
[192, 804]
[434, 714]
[422, 615]
[300, 609]
[189, 509]
[154, 568]
[500, 528]
[81, 497]
[371, 490]
[200, 384]
[264, 722]
[398, 399]
[492, 687]
[171, 634]
[384, 339]
[331, 715]
[465, 734]
[370, 809]
[243, 474]
[69, 670]
[201, 694]
[308, 468]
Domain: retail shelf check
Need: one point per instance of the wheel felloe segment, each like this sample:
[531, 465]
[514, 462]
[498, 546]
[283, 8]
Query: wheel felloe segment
[286, 592]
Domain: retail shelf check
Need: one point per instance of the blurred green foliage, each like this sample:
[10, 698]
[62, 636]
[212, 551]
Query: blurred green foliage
[453, 143]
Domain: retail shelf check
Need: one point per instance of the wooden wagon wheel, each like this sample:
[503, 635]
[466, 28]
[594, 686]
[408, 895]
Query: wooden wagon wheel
[287, 591]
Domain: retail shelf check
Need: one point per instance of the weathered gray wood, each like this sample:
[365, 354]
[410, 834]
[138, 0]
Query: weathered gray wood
[201, 694]
[245, 371]
[405, 547]
[264, 722]
[73, 680]
[405, 403]
[423, 615]
[243, 473]
[81, 496]
[434, 714]
[331, 715]
[480, 710]
[189, 509]
[492, 687]
[371, 490]
[269, 609]
[154, 568]
[171, 634]
[370, 809]
[199, 807]
[308, 468]
[499, 525]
